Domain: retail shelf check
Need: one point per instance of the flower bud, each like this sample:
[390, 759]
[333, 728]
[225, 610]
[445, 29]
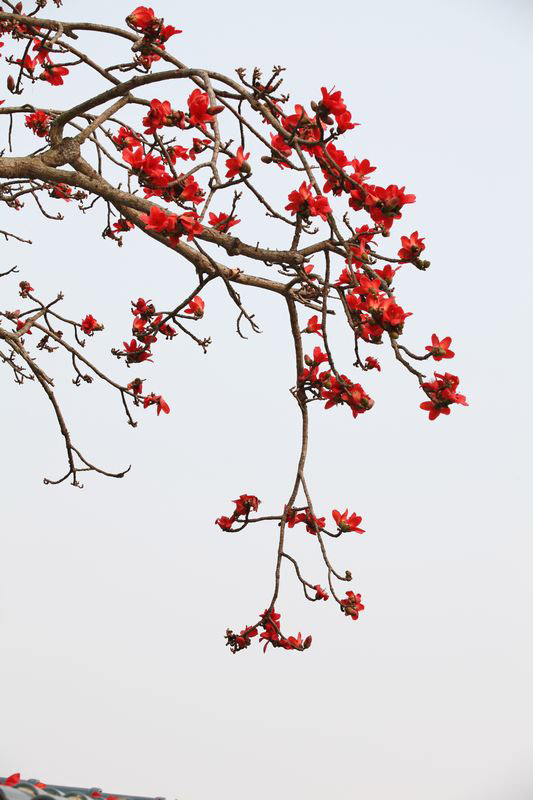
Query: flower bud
[10, 83]
[348, 575]
[307, 642]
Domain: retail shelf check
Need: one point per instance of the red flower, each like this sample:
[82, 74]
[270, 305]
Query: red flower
[38, 123]
[158, 116]
[279, 144]
[196, 307]
[123, 225]
[442, 395]
[166, 32]
[135, 158]
[301, 201]
[153, 399]
[198, 146]
[313, 325]
[242, 640]
[384, 205]
[225, 523]
[13, 779]
[89, 325]
[136, 386]
[320, 593]
[141, 18]
[25, 288]
[392, 314]
[372, 363]
[411, 247]
[440, 349]
[347, 523]
[198, 103]
[312, 523]
[61, 192]
[191, 191]
[237, 164]
[188, 223]
[244, 504]
[351, 605]
[142, 307]
[318, 358]
[332, 101]
[126, 138]
[387, 273]
[135, 353]
[158, 220]
[54, 74]
[222, 222]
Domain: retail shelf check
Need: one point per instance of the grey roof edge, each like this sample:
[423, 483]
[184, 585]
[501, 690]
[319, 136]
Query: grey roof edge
[21, 790]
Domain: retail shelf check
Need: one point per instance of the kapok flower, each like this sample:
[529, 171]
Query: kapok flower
[313, 325]
[442, 394]
[135, 352]
[244, 504]
[302, 202]
[222, 222]
[440, 349]
[141, 18]
[53, 74]
[237, 164]
[411, 247]
[196, 307]
[89, 325]
[25, 288]
[347, 523]
[38, 123]
[158, 116]
[159, 221]
[225, 523]
[351, 605]
[320, 593]
[136, 386]
[199, 108]
[372, 363]
[156, 399]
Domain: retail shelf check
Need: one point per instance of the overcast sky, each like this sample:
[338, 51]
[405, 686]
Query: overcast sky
[114, 599]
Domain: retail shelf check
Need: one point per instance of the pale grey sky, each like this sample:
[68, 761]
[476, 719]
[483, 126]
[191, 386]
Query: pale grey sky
[114, 599]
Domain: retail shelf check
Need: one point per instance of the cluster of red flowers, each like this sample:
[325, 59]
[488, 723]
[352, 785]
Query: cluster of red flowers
[38, 123]
[270, 622]
[52, 73]
[374, 311]
[330, 105]
[171, 225]
[442, 394]
[366, 292]
[155, 33]
[243, 506]
[315, 524]
[305, 204]
[334, 390]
